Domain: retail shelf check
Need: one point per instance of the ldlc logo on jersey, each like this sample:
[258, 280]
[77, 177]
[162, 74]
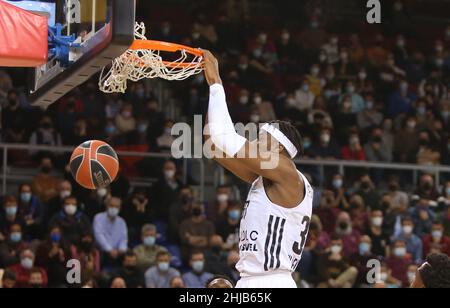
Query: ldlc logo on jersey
[249, 238]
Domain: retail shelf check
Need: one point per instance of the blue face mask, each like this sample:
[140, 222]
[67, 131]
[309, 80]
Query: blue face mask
[163, 266]
[15, 237]
[113, 212]
[421, 110]
[110, 130]
[25, 197]
[447, 190]
[55, 237]
[364, 248]
[337, 184]
[197, 266]
[306, 144]
[234, 214]
[11, 211]
[149, 241]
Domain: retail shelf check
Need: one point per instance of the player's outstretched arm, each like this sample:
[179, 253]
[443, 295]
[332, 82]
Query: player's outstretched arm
[225, 138]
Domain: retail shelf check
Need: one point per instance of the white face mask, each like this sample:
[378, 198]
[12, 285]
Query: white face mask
[383, 276]
[407, 229]
[222, 198]
[101, 192]
[411, 276]
[400, 251]
[70, 209]
[336, 249]
[377, 221]
[64, 194]
[169, 174]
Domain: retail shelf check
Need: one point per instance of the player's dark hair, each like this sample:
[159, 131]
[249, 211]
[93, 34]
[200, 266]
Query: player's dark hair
[292, 133]
[223, 277]
[437, 273]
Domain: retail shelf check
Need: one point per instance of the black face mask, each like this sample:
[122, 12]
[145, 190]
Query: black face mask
[343, 225]
[12, 102]
[216, 249]
[196, 212]
[365, 185]
[377, 139]
[46, 169]
[186, 199]
[393, 187]
[86, 246]
[427, 186]
[423, 142]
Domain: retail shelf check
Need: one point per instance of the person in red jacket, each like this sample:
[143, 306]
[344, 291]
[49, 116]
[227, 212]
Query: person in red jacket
[436, 238]
[24, 269]
[398, 262]
[354, 150]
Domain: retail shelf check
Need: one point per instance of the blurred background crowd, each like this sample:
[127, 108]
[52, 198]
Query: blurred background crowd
[356, 92]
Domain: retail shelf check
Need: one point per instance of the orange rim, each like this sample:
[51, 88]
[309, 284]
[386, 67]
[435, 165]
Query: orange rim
[169, 47]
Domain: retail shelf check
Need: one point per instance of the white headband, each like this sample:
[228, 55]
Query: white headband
[281, 138]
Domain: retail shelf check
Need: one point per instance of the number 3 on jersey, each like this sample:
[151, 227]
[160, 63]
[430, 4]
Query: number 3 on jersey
[298, 247]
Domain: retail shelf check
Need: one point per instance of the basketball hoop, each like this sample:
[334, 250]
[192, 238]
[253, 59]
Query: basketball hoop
[144, 60]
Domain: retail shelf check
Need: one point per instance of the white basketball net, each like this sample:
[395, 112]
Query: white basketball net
[135, 65]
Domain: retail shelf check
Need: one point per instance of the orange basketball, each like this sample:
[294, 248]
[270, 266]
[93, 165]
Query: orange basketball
[94, 164]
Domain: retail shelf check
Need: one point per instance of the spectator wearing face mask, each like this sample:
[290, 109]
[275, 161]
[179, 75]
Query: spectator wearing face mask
[241, 111]
[401, 101]
[360, 259]
[160, 275]
[426, 155]
[164, 142]
[11, 247]
[398, 261]
[216, 210]
[314, 80]
[348, 236]
[12, 113]
[304, 98]
[386, 279]
[357, 102]
[180, 210]
[325, 147]
[358, 213]
[8, 279]
[110, 231]
[369, 117]
[24, 269]
[367, 191]
[334, 269]
[413, 243]
[337, 186]
[379, 236]
[31, 210]
[47, 135]
[328, 211]
[444, 199]
[165, 191]
[423, 217]
[52, 255]
[228, 228]
[87, 254]
[399, 198]
[64, 190]
[44, 185]
[130, 272]
[331, 49]
[376, 150]
[9, 216]
[195, 231]
[125, 121]
[36, 280]
[147, 251]
[196, 277]
[436, 237]
[215, 258]
[406, 141]
[353, 151]
[137, 212]
[72, 221]
[426, 189]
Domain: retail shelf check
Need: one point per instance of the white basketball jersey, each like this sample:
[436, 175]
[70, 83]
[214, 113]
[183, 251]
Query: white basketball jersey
[272, 238]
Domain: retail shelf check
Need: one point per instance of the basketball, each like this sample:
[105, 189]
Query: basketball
[94, 164]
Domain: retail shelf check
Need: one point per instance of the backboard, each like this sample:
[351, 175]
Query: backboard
[102, 29]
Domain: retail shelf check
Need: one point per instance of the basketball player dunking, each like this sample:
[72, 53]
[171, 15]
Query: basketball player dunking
[275, 221]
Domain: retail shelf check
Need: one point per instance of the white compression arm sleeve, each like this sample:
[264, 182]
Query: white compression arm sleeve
[221, 127]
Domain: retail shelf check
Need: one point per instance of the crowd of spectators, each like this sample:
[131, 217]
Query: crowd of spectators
[383, 97]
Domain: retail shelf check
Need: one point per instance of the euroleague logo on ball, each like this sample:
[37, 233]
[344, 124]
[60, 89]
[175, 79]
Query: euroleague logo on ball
[94, 164]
